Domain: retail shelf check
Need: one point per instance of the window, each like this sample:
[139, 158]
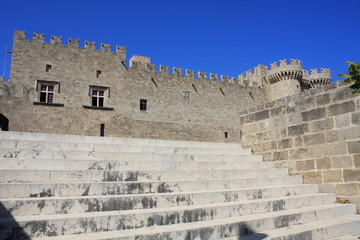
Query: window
[97, 97]
[98, 73]
[143, 104]
[48, 68]
[226, 134]
[46, 93]
[185, 94]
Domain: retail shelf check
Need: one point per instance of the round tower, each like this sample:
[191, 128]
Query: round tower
[285, 79]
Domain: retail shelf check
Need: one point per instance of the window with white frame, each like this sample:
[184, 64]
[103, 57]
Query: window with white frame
[46, 93]
[97, 97]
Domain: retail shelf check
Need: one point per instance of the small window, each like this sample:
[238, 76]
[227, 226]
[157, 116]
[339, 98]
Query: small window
[102, 129]
[46, 93]
[185, 94]
[143, 104]
[226, 135]
[97, 97]
[48, 68]
[98, 73]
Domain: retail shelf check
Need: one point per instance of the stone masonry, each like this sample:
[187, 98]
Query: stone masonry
[292, 116]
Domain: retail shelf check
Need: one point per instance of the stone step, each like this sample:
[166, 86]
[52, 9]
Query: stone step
[228, 228]
[322, 229]
[267, 214]
[64, 164]
[64, 205]
[67, 189]
[14, 153]
[58, 176]
[86, 140]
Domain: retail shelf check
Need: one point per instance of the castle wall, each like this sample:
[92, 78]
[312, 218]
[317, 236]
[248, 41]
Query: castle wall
[315, 134]
[211, 109]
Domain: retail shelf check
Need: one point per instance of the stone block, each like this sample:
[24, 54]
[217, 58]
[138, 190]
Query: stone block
[349, 189]
[262, 115]
[314, 114]
[304, 165]
[249, 128]
[327, 188]
[322, 125]
[278, 111]
[342, 120]
[298, 130]
[298, 141]
[323, 163]
[354, 147]
[332, 136]
[306, 103]
[336, 148]
[300, 153]
[249, 118]
[350, 133]
[341, 95]
[314, 139]
[283, 155]
[356, 158]
[355, 118]
[351, 175]
[341, 108]
[261, 137]
[323, 99]
[312, 177]
[344, 161]
[332, 176]
[285, 143]
[268, 146]
[294, 119]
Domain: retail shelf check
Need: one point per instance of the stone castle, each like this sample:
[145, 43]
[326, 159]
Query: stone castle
[295, 119]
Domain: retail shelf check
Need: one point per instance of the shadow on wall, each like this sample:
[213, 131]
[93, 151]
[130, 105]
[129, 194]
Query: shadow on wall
[246, 233]
[9, 228]
[4, 123]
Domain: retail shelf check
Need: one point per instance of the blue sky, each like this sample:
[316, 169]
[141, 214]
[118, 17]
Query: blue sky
[225, 37]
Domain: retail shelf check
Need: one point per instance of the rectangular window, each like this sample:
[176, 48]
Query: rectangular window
[46, 93]
[98, 73]
[102, 129]
[97, 98]
[48, 68]
[226, 134]
[143, 104]
[185, 94]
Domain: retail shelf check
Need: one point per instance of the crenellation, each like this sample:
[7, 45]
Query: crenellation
[189, 73]
[283, 62]
[56, 40]
[214, 77]
[38, 37]
[150, 67]
[224, 78]
[105, 47]
[164, 69]
[120, 49]
[273, 65]
[177, 71]
[19, 35]
[90, 45]
[202, 75]
[73, 42]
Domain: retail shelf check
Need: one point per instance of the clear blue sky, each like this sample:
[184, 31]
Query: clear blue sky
[225, 37]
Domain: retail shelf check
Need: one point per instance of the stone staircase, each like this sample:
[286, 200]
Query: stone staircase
[81, 187]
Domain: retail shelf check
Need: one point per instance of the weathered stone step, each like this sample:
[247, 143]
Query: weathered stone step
[322, 229]
[54, 176]
[64, 205]
[223, 228]
[12, 153]
[269, 212]
[86, 140]
[64, 164]
[67, 189]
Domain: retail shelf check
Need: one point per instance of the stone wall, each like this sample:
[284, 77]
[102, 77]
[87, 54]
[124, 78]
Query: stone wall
[315, 134]
[211, 108]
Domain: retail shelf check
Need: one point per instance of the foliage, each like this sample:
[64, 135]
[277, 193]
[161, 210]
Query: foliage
[354, 76]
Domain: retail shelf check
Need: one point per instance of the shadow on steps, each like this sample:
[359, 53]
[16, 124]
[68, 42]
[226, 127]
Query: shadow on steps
[9, 228]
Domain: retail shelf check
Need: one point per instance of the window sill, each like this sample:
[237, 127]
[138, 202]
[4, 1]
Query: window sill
[99, 108]
[49, 104]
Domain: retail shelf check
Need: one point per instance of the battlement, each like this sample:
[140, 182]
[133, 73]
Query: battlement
[58, 40]
[315, 74]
